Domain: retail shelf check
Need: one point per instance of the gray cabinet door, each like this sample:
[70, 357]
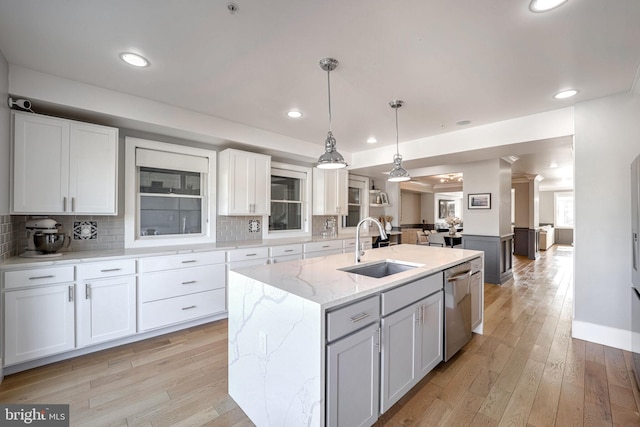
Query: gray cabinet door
[477, 288]
[399, 349]
[353, 383]
[431, 334]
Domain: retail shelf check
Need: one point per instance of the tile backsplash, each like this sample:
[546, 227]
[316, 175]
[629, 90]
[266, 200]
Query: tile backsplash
[110, 231]
[8, 236]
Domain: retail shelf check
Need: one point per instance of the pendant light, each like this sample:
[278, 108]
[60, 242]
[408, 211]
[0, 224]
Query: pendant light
[398, 173]
[330, 159]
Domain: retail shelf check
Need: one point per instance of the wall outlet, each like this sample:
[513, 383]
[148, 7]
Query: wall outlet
[262, 343]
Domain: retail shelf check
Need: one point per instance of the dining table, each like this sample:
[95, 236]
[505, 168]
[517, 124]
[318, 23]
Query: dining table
[452, 239]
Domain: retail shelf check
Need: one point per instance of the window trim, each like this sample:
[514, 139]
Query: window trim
[131, 204]
[562, 194]
[300, 172]
[363, 184]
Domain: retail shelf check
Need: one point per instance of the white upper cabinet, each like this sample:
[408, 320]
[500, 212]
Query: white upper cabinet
[244, 183]
[62, 166]
[330, 191]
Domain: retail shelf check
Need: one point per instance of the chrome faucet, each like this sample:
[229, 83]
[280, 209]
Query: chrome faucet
[383, 235]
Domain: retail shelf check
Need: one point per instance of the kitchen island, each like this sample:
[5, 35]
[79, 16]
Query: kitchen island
[285, 320]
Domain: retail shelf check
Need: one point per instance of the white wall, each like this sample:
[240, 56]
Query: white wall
[5, 136]
[546, 207]
[427, 204]
[410, 208]
[489, 176]
[607, 140]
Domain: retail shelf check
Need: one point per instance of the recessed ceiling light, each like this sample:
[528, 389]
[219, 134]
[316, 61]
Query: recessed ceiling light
[294, 114]
[134, 59]
[545, 5]
[565, 94]
[372, 140]
[463, 122]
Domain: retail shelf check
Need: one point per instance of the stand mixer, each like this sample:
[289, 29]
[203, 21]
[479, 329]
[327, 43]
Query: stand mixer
[43, 238]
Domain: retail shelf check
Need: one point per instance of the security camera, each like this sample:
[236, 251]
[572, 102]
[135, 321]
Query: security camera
[25, 104]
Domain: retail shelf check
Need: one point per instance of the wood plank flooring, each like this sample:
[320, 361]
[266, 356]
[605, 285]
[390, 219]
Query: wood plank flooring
[525, 370]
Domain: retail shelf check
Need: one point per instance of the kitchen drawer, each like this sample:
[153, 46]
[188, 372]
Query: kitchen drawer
[352, 317]
[38, 276]
[404, 295]
[322, 246]
[168, 262]
[96, 270]
[169, 311]
[285, 250]
[351, 243]
[183, 281]
[247, 254]
[285, 258]
[318, 254]
[476, 265]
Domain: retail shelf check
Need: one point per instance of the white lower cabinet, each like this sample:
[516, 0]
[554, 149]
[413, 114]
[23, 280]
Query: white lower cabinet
[38, 322]
[321, 249]
[179, 288]
[412, 346]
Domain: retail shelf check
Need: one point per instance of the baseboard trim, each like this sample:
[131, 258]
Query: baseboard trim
[605, 335]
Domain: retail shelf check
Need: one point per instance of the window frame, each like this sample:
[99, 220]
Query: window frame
[361, 182]
[132, 239]
[559, 195]
[305, 188]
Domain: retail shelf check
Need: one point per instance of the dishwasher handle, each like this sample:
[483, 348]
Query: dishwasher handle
[459, 276]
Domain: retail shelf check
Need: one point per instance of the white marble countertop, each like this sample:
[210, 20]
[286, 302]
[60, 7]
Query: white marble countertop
[318, 279]
[113, 254]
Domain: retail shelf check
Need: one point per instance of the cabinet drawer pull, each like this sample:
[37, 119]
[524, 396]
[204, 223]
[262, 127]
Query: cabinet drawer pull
[70, 293]
[326, 246]
[189, 261]
[251, 254]
[189, 282]
[87, 291]
[359, 317]
[109, 270]
[51, 276]
[288, 250]
[189, 308]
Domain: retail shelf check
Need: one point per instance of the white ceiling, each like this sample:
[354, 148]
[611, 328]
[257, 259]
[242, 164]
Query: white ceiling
[482, 61]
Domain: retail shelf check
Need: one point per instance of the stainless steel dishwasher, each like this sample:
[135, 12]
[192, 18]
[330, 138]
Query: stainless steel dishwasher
[457, 308]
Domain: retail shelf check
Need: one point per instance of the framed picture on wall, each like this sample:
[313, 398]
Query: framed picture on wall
[480, 201]
[446, 208]
[384, 199]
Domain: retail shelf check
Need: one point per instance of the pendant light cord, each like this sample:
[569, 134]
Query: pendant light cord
[329, 91]
[397, 144]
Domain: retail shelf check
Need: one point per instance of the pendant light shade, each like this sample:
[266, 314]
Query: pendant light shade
[398, 173]
[330, 159]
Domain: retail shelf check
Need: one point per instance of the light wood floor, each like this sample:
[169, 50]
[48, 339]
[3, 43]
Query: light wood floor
[525, 370]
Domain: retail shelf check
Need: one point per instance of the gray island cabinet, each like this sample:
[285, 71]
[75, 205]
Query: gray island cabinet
[310, 344]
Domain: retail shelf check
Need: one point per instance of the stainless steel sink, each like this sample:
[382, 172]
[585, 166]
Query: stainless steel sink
[380, 268]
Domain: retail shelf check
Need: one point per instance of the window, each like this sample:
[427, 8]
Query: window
[170, 194]
[564, 210]
[170, 202]
[290, 191]
[358, 201]
[286, 203]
